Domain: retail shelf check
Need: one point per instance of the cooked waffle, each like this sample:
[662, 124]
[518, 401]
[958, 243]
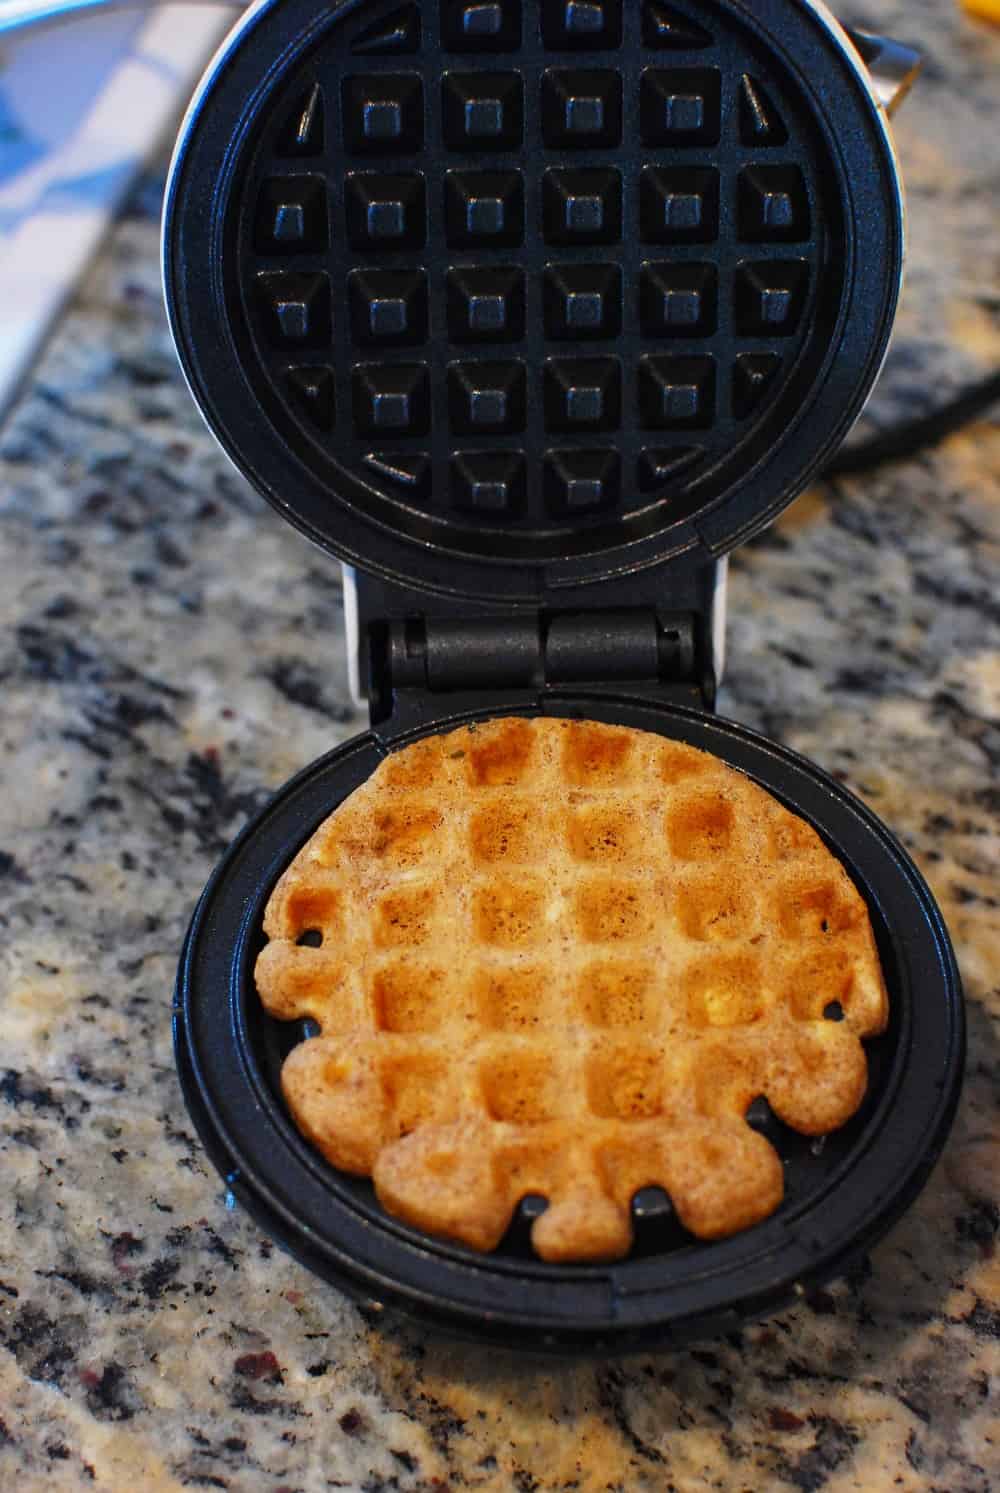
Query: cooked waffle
[562, 958]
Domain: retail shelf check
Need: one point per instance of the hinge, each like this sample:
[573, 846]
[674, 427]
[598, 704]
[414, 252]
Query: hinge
[417, 657]
[424, 665]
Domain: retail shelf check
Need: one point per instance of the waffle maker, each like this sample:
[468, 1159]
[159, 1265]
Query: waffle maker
[530, 311]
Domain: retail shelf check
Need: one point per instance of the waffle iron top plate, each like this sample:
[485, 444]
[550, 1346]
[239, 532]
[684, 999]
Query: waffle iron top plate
[494, 296]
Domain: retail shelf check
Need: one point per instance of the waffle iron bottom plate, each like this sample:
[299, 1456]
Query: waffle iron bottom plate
[842, 1193]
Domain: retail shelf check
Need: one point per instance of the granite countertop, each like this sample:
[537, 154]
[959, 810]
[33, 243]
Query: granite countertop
[171, 653]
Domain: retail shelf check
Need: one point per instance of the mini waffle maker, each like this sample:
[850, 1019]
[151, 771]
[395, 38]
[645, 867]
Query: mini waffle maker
[530, 311]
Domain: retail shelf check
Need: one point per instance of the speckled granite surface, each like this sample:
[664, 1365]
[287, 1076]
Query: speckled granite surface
[170, 654]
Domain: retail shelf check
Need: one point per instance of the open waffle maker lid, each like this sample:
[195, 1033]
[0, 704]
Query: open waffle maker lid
[508, 301]
[512, 296]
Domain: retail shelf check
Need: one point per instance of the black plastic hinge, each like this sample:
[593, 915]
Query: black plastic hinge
[428, 664]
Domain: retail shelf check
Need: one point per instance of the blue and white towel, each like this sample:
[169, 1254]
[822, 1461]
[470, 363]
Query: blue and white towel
[82, 105]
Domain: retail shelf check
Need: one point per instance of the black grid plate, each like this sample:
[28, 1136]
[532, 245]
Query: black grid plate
[527, 281]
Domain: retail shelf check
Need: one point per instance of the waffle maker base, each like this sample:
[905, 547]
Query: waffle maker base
[841, 1192]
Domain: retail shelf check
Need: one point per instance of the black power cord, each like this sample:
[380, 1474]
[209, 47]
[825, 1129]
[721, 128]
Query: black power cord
[913, 436]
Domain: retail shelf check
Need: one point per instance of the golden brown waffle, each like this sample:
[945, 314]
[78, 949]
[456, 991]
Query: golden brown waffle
[562, 958]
